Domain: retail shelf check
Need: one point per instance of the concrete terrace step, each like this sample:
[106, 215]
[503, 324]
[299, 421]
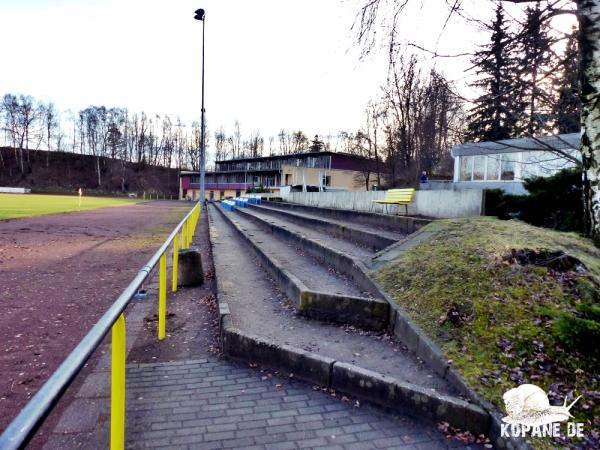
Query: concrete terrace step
[316, 274]
[259, 308]
[373, 221]
[353, 249]
[365, 235]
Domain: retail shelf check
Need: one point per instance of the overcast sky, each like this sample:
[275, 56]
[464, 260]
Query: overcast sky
[270, 64]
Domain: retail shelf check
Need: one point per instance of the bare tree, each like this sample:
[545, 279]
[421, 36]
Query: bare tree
[374, 113]
[284, 142]
[256, 144]
[236, 140]
[193, 147]
[220, 141]
[91, 118]
[20, 115]
[362, 145]
[49, 120]
[10, 109]
[271, 142]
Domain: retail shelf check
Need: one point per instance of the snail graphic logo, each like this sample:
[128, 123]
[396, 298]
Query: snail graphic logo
[529, 410]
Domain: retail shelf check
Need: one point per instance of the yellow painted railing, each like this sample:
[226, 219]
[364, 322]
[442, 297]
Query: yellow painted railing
[117, 384]
[117, 416]
[20, 431]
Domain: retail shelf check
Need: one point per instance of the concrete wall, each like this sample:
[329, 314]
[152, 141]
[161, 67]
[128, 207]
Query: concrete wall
[510, 187]
[439, 204]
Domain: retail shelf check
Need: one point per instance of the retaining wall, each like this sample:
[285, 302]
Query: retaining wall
[438, 204]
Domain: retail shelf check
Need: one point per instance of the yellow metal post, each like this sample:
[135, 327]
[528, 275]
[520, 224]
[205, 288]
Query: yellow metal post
[194, 221]
[162, 296]
[184, 235]
[196, 217]
[117, 385]
[187, 233]
[175, 262]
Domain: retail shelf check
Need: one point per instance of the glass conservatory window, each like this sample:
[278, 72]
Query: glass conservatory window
[479, 168]
[508, 166]
[493, 168]
[466, 168]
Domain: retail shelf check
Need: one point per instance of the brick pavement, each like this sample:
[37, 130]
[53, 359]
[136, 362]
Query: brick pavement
[213, 404]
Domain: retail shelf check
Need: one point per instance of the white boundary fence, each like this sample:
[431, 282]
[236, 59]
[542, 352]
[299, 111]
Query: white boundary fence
[438, 204]
[14, 190]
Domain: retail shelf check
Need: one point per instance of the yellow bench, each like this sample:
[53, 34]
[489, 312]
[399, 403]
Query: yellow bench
[397, 197]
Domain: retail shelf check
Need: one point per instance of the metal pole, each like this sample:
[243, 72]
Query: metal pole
[203, 147]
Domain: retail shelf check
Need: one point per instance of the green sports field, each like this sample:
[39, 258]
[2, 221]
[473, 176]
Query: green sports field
[14, 206]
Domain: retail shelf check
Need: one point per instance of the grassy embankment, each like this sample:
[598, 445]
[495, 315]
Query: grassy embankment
[13, 206]
[511, 323]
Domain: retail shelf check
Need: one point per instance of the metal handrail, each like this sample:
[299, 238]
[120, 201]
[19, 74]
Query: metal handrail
[24, 426]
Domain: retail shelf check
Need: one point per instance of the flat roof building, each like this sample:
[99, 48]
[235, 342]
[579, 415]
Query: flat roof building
[505, 164]
[299, 171]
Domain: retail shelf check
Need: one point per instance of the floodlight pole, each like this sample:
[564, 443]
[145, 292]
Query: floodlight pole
[200, 15]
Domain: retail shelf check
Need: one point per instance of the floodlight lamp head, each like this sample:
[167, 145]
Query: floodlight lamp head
[199, 14]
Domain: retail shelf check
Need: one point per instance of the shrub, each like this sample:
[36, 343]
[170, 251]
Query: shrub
[581, 328]
[577, 332]
[553, 202]
[257, 190]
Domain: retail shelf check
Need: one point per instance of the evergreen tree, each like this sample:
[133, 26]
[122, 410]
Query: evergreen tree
[567, 106]
[316, 145]
[534, 69]
[493, 116]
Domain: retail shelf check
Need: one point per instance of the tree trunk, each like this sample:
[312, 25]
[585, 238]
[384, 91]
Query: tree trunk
[589, 47]
[98, 171]
[122, 175]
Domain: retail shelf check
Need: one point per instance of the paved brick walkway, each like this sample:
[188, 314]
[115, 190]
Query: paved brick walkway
[214, 404]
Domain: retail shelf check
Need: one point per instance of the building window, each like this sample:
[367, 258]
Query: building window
[238, 193]
[479, 168]
[493, 168]
[211, 195]
[466, 168]
[325, 180]
[535, 163]
[288, 179]
[508, 167]
[222, 195]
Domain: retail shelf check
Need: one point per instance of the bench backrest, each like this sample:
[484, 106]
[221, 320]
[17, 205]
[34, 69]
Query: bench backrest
[399, 195]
